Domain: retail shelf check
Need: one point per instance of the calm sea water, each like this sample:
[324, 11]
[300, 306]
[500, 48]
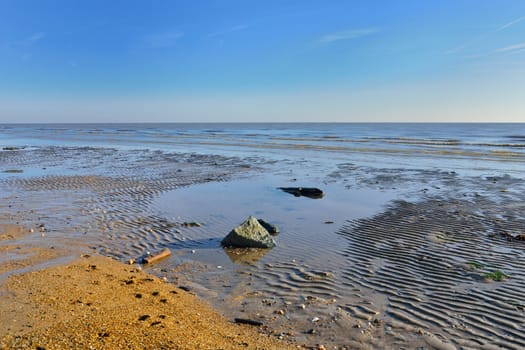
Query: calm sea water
[463, 147]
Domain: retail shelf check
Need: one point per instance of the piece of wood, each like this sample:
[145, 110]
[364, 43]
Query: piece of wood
[157, 256]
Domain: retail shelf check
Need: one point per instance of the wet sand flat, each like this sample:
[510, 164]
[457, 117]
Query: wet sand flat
[389, 258]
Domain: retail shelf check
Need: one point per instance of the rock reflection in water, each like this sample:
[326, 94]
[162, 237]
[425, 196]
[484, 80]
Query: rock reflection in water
[247, 256]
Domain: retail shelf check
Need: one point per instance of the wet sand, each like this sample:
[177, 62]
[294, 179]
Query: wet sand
[413, 271]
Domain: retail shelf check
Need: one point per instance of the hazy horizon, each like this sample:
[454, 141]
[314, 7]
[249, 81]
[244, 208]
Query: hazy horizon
[248, 61]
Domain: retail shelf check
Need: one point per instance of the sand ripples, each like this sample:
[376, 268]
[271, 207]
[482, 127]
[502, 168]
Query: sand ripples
[430, 260]
[413, 274]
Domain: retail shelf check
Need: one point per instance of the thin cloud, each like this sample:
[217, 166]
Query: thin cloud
[228, 31]
[163, 40]
[347, 35]
[510, 24]
[28, 41]
[36, 37]
[511, 47]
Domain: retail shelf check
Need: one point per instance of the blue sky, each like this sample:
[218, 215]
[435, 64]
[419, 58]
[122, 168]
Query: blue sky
[176, 61]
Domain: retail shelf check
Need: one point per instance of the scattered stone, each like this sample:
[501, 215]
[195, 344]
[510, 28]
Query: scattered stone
[191, 224]
[272, 229]
[315, 319]
[250, 234]
[310, 192]
[143, 317]
[511, 236]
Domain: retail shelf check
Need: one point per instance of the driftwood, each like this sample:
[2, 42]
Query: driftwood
[157, 256]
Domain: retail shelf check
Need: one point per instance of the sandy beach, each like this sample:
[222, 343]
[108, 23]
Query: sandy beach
[97, 303]
[389, 258]
[321, 175]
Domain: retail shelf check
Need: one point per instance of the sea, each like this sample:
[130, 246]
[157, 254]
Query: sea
[466, 147]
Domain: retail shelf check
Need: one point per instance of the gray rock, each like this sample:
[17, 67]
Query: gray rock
[250, 234]
[272, 229]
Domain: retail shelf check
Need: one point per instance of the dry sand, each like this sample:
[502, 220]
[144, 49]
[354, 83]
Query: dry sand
[98, 303]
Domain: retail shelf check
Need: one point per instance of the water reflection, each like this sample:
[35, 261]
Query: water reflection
[245, 256]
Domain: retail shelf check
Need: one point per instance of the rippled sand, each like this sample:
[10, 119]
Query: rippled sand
[389, 258]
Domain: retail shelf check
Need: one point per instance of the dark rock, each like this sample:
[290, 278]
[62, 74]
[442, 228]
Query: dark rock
[191, 224]
[310, 192]
[250, 234]
[272, 229]
[248, 321]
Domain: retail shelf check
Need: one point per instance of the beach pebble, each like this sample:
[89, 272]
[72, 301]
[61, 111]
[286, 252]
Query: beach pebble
[315, 319]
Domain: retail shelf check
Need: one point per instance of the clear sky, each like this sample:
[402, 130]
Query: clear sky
[244, 60]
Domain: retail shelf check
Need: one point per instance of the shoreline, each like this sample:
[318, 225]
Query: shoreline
[99, 303]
